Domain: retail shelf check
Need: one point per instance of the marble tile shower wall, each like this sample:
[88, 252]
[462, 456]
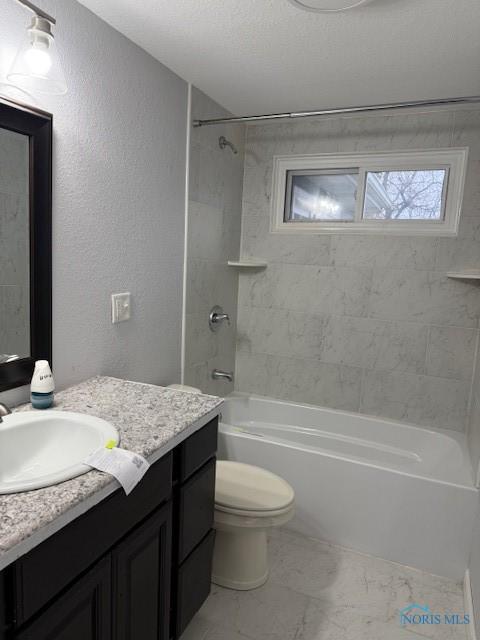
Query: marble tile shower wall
[362, 323]
[215, 211]
[14, 289]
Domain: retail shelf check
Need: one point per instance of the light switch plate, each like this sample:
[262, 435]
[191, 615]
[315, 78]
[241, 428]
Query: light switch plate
[121, 307]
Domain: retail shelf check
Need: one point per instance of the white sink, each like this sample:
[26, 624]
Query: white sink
[41, 448]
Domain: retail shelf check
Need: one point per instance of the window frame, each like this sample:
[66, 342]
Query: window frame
[453, 160]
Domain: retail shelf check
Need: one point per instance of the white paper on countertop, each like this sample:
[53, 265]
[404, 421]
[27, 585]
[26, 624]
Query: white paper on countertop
[127, 467]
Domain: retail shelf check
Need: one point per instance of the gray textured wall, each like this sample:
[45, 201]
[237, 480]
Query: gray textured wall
[118, 192]
[214, 219]
[362, 323]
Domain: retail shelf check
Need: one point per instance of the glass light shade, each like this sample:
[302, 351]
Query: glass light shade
[10, 90]
[36, 67]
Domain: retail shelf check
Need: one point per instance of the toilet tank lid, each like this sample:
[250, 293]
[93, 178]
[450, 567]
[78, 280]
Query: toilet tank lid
[184, 387]
[248, 488]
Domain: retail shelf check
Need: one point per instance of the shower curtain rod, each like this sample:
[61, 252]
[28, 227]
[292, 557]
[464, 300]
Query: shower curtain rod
[339, 111]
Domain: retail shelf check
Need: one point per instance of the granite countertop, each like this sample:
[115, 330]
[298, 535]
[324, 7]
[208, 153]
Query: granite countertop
[151, 421]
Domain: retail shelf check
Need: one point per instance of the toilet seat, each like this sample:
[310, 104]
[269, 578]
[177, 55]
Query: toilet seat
[225, 521]
[253, 514]
[250, 492]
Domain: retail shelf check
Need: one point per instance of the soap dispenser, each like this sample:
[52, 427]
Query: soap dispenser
[42, 385]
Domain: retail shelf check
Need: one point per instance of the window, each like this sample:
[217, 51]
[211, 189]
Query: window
[404, 193]
[322, 195]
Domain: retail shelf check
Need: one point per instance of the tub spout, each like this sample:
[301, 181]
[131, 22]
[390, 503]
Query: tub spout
[222, 375]
[4, 411]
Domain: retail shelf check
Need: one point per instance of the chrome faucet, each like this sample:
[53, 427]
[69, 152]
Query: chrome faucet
[223, 142]
[4, 411]
[222, 375]
[216, 317]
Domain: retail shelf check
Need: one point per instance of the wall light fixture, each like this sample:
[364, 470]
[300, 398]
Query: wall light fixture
[36, 67]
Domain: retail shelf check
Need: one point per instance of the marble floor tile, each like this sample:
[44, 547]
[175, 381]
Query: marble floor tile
[326, 622]
[331, 574]
[369, 586]
[201, 629]
[272, 612]
[220, 633]
[197, 629]
[317, 591]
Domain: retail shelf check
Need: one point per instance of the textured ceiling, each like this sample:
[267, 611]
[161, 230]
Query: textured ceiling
[257, 56]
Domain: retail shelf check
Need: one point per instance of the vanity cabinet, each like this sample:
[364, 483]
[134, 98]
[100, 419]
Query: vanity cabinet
[134, 567]
[83, 612]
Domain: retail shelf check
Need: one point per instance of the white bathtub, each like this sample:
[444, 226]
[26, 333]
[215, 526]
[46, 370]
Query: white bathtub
[392, 490]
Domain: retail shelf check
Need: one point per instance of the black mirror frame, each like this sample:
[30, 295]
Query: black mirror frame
[37, 125]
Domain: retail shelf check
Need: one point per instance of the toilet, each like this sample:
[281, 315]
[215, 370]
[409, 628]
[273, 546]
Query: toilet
[183, 387]
[248, 502]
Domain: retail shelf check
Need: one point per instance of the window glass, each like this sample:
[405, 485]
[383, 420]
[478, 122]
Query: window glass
[405, 195]
[321, 196]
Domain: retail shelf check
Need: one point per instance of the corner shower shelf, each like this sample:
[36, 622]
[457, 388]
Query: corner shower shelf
[468, 274]
[248, 263]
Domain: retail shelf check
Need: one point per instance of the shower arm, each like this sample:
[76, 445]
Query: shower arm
[223, 142]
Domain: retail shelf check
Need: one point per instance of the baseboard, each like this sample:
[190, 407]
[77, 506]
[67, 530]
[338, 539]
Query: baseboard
[468, 600]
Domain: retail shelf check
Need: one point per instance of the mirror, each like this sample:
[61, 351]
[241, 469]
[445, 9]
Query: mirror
[14, 246]
[25, 241]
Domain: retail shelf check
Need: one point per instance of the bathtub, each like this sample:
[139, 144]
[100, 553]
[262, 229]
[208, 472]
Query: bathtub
[395, 491]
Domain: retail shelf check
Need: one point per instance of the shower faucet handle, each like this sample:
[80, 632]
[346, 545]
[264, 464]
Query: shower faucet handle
[220, 317]
[216, 317]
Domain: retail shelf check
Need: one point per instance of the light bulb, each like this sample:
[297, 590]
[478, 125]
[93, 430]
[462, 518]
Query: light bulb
[36, 67]
[38, 60]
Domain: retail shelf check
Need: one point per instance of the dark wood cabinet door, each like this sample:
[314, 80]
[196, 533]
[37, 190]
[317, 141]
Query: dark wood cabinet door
[196, 505]
[193, 584]
[141, 577]
[83, 612]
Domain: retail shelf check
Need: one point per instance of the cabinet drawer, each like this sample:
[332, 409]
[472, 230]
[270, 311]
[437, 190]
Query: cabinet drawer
[193, 587]
[47, 569]
[196, 450]
[196, 507]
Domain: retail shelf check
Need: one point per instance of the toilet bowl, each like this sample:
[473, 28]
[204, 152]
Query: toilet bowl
[248, 502]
